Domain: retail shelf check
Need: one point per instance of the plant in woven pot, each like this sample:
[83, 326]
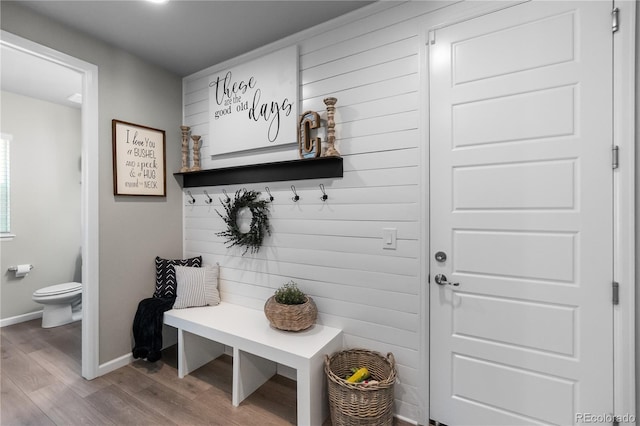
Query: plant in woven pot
[290, 309]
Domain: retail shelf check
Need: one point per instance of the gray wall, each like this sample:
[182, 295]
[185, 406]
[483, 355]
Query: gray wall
[133, 230]
[45, 199]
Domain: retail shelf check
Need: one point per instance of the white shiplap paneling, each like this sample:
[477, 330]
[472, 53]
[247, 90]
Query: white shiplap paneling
[333, 249]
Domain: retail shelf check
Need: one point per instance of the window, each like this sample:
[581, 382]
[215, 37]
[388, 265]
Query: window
[5, 217]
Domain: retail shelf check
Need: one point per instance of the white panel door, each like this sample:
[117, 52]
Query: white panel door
[521, 204]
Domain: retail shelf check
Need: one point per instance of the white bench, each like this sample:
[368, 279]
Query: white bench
[204, 332]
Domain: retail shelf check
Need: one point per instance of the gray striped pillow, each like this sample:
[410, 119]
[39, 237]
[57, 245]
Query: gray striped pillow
[196, 286]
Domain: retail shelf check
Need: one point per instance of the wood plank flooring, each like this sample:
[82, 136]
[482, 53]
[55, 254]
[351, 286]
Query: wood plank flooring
[41, 384]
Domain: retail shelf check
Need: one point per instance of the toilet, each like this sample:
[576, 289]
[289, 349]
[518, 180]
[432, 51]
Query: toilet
[62, 304]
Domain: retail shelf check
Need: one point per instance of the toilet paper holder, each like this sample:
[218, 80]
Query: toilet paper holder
[15, 268]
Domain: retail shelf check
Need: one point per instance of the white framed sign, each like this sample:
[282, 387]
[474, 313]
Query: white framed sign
[255, 104]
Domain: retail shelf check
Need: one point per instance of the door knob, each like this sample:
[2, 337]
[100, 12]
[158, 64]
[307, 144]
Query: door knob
[441, 256]
[441, 279]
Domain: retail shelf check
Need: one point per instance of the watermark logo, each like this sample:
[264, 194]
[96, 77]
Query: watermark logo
[588, 418]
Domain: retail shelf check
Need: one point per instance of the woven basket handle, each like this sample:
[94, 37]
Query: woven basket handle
[391, 360]
[326, 362]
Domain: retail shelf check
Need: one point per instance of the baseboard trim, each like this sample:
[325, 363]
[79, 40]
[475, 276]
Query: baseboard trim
[406, 420]
[114, 364]
[20, 318]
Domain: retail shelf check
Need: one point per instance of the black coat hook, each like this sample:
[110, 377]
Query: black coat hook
[295, 197]
[266, 188]
[226, 195]
[208, 200]
[324, 194]
[192, 200]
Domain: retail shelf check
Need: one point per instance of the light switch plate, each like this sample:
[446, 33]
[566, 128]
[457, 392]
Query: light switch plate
[389, 238]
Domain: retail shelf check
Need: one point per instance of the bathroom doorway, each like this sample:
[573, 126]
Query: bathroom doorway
[88, 91]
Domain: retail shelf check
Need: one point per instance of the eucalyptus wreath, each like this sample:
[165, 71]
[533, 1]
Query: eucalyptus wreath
[259, 220]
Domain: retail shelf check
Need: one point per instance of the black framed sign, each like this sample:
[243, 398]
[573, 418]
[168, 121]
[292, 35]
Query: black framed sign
[138, 160]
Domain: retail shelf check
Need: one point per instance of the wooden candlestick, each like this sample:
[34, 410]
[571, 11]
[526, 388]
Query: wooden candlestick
[185, 148]
[196, 153]
[331, 124]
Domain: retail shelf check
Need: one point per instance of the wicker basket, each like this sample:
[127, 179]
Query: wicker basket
[291, 317]
[357, 403]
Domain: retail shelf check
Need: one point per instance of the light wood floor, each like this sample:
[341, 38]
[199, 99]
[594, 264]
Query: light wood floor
[41, 384]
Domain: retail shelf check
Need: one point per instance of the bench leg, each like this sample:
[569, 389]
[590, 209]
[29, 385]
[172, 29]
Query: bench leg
[312, 399]
[249, 373]
[195, 351]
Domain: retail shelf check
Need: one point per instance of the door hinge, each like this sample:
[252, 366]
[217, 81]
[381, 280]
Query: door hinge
[615, 159]
[614, 20]
[432, 37]
[615, 298]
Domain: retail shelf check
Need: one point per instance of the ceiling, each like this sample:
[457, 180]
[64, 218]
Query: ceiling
[38, 78]
[185, 36]
[181, 36]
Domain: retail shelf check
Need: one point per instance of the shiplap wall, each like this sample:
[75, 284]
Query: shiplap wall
[373, 63]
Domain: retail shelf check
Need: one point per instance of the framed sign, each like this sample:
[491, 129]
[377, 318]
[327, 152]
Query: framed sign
[138, 160]
[254, 104]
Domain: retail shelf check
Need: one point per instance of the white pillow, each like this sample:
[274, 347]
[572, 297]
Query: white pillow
[196, 286]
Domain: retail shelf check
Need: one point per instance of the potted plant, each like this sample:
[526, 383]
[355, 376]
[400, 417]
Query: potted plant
[290, 309]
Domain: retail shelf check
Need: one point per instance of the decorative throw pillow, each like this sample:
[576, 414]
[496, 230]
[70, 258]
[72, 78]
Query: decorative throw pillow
[196, 286]
[166, 275]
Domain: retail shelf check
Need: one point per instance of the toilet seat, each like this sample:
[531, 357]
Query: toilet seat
[58, 289]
